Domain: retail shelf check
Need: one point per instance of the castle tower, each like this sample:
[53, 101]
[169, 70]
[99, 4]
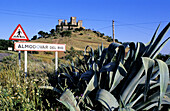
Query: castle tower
[73, 21]
[80, 23]
[65, 22]
[60, 21]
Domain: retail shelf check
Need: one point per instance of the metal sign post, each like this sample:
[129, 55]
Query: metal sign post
[25, 53]
[19, 57]
[56, 62]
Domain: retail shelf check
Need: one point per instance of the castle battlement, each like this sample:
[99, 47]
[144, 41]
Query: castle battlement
[73, 24]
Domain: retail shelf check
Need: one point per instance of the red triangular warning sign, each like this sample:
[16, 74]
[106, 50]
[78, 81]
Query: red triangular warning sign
[19, 34]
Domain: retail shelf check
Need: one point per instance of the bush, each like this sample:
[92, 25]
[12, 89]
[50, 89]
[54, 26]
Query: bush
[55, 37]
[102, 34]
[109, 39]
[34, 37]
[79, 29]
[4, 44]
[116, 40]
[66, 34]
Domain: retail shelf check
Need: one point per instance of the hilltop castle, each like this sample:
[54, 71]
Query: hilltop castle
[69, 25]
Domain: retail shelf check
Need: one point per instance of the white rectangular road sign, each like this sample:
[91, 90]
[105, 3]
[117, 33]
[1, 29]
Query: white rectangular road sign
[28, 46]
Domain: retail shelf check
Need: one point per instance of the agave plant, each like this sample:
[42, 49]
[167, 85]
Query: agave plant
[112, 81]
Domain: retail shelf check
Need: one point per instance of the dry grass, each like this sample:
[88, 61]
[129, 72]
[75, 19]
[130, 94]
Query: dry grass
[79, 42]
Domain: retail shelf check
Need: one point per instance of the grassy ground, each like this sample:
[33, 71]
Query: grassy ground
[78, 41]
[18, 92]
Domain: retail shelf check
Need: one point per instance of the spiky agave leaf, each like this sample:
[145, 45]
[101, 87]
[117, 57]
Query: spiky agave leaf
[148, 66]
[155, 44]
[152, 40]
[159, 48]
[107, 99]
[67, 98]
[90, 87]
[164, 79]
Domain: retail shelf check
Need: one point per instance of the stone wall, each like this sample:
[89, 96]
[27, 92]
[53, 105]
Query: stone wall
[69, 25]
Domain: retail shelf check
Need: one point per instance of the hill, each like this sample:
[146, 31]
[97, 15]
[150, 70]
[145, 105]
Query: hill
[77, 39]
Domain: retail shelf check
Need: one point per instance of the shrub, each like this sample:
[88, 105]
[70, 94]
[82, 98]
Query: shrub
[81, 33]
[55, 37]
[4, 44]
[109, 39]
[66, 34]
[102, 34]
[79, 29]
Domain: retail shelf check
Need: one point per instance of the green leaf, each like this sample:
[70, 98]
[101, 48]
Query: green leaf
[87, 75]
[118, 76]
[91, 86]
[148, 66]
[151, 106]
[102, 60]
[168, 61]
[141, 95]
[106, 99]
[157, 41]
[126, 109]
[112, 51]
[51, 88]
[151, 100]
[67, 98]
[92, 52]
[132, 86]
[131, 56]
[152, 40]
[164, 79]
[68, 76]
[109, 67]
[139, 50]
[159, 48]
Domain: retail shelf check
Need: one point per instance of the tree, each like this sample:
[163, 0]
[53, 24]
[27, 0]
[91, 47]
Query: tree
[34, 37]
[41, 33]
[52, 31]
[4, 44]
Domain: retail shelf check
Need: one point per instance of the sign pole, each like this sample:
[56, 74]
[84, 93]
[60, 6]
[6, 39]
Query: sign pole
[19, 55]
[25, 53]
[56, 62]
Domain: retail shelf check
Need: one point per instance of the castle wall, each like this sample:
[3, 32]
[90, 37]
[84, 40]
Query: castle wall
[73, 21]
[80, 23]
[69, 25]
[60, 21]
[65, 22]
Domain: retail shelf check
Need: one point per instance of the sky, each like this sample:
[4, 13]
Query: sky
[135, 20]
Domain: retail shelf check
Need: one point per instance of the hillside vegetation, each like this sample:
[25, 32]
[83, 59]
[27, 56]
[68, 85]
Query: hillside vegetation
[76, 39]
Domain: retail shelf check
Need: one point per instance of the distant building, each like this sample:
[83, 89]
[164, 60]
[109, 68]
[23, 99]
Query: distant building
[64, 25]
